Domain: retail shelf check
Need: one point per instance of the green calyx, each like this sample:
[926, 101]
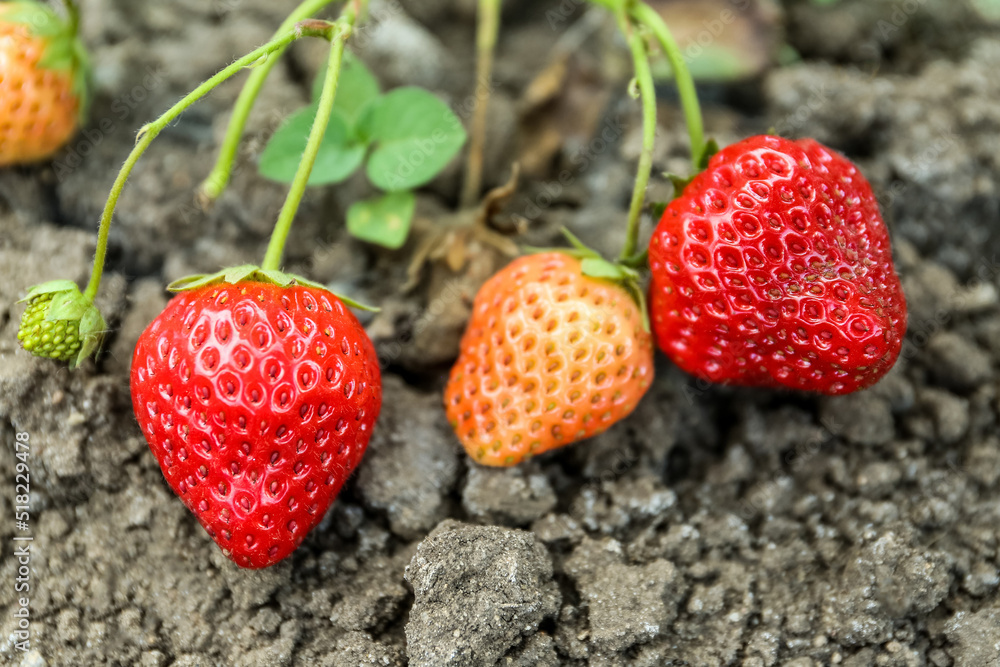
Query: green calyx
[624, 273]
[60, 323]
[64, 51]
[253, 273]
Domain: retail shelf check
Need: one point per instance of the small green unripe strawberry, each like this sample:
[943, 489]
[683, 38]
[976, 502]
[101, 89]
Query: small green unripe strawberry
[60, 323]
[56, 340]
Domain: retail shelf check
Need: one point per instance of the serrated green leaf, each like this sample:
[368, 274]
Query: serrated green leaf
[356, 88]
[415, 136]
[339, 154]
[596, 267]
[383, 220]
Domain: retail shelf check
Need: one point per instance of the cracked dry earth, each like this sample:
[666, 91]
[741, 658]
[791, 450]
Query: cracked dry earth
[716, 527]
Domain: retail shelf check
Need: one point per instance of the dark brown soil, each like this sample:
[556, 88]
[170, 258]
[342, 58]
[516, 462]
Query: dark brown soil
[717, 526]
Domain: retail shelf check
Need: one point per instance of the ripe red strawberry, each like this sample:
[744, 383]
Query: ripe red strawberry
[43, 82]
[550, 357]
[773, 268]
[258, 402]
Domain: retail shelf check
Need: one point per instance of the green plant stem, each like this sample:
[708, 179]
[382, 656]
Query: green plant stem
[217, 180]
[647, 96]
[150, 130]
[647, 16]
[486, 41]
[72, 16]
[324, 109]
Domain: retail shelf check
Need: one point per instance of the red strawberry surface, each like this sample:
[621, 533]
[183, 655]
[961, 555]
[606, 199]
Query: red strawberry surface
[773, 268]
[258, 401]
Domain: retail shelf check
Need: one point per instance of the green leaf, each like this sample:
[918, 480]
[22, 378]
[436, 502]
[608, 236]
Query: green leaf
[339, 154]
[383, 220]
[415, 135]
[356, 88]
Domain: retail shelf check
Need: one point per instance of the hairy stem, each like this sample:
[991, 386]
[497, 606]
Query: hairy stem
[647, 96]
[486, 40]
[647, 16]
[151, 130]
[324, 109]
[217, 180]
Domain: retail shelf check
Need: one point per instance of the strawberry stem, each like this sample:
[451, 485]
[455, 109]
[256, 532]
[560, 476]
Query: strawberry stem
[341, 31]
[72, 17]
[647, 95]
[217, 180]
[486, 40]
[149, 131]
[647, 16]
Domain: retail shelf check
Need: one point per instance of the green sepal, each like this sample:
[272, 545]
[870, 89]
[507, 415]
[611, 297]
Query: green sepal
[578, 251]
[710, 148]
[68, 306]
[253, 273]
[92, 330]
[702, 156]
[624, 273]
[48, 287]
[598, 267]
[679, 183]
[632, 287]
[637, 261]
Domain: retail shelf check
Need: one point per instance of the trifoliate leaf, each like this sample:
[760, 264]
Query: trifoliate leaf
[414, 134]
[339, 153]
[356, 88]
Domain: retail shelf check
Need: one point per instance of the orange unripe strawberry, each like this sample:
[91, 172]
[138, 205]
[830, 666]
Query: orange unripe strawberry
[550, 357]
[43, 82]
